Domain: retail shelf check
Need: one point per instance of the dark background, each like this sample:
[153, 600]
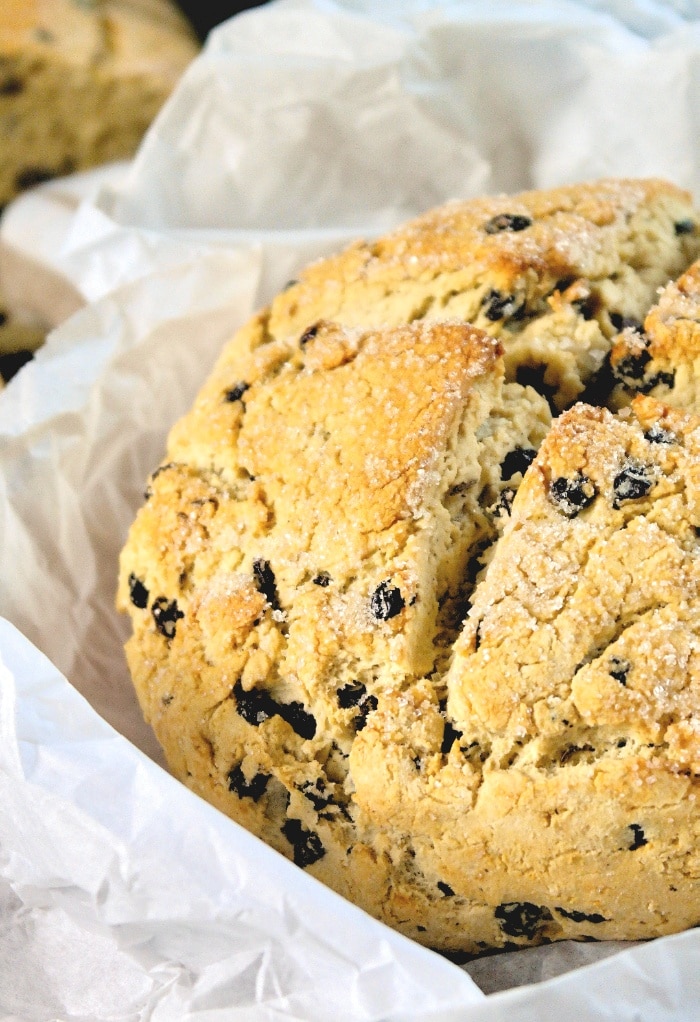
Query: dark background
[202, 17]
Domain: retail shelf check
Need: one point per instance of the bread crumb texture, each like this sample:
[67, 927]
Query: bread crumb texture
[436, 646]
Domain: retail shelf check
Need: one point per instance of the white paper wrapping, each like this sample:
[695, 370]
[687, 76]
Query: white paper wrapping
[301, 126]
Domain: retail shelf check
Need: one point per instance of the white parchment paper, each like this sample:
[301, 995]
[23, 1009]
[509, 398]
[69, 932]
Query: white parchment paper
[301, 126]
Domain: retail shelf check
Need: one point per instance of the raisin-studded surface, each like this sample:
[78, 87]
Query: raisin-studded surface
[661, 357]
[552, 274]
[438, 651]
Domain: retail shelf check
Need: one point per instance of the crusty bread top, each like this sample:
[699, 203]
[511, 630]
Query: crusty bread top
[132, 36]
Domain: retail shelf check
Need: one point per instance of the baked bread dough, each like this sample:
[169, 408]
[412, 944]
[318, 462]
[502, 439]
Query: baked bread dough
[80, 82]
[437, 649]
[562, 802]
[553, 274]
[662, 356]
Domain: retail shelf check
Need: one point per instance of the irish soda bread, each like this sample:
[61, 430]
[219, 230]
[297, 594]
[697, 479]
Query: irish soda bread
[435, 647]
[80, 82]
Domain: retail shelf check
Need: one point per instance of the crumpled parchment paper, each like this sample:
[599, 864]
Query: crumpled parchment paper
[303, 125]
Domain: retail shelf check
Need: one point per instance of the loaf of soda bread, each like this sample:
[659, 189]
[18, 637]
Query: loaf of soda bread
[80, 82]
[411, 603]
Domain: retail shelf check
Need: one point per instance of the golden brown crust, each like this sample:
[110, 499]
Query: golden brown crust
[339, 498]
[542, 271]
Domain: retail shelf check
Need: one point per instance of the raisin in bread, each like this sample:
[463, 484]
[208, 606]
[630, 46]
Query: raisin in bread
[450, 676]
[662, 356]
